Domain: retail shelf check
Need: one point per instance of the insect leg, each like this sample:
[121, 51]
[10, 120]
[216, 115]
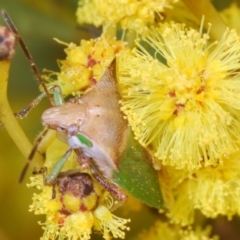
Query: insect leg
[40, 145]
[114, 190]
[83, 161]
[57, 97]
[23, 113]
[51, 177]
[57, 100]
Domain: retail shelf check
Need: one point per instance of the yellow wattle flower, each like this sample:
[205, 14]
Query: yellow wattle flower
[84, 64]
[87, 13]
[76, 205]
[174, 185]
[214, 191]
[183, 102]
[109, 223]
[130, 14]
[166, 231]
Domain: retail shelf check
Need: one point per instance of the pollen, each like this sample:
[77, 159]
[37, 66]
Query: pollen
[41, 202]
[185, 106]
[77, 226]
[71, 203]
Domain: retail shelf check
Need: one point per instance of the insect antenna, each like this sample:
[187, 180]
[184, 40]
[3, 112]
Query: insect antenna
[27, 54]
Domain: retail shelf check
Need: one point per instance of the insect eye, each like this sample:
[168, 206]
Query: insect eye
[61, 129]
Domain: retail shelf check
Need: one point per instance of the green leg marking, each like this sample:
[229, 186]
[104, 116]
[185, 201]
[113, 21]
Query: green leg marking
[51, 177]
[57, 96]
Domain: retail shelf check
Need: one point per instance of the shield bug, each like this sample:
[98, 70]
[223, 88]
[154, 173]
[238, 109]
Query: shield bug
[95, 124]
[94, 127]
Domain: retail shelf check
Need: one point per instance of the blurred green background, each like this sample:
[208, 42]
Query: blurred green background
[37, 22]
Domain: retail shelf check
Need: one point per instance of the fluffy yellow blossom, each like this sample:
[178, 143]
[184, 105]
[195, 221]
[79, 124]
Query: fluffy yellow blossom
[75, 205]
[130, 14]
[109, 223]
[216, 190]
[175, 190]
[84, 64]
[183, 102]
[87, 13]
[213, 191]
[166, 231]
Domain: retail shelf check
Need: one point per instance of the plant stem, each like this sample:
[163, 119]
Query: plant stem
[8, 119]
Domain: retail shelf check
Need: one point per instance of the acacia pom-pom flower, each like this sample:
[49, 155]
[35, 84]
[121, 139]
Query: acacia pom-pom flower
[163, 230]
[183, 107]
[87, 13]
[84, 64]
[131, 14]
[216, 190]
[76, 205]
[174, 186]
[213, 191]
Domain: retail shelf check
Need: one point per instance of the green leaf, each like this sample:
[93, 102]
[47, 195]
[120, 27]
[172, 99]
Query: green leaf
[137, 176]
